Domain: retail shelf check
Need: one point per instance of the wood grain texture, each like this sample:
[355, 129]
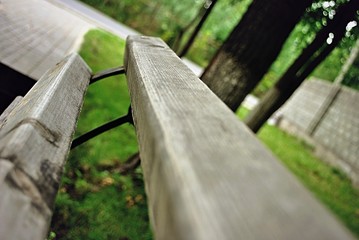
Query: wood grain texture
[8, 110]
[206, 174]
[34, 142]
[36, 34]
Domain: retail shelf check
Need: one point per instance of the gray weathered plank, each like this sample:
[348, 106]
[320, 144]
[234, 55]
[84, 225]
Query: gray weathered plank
[206, 174]
[59, 47]
[8, 110]
[34, 142]
[36, 28]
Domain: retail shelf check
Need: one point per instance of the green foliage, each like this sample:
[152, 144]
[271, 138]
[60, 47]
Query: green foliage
[329, 69]
[226, 14]
[95, 201]
[162, 18]
[165, 18]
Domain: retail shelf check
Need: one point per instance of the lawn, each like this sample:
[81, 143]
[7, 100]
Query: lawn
[97, 202]
[328, 184]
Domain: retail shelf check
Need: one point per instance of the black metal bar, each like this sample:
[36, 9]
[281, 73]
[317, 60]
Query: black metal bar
[107, 126]
[107, 73]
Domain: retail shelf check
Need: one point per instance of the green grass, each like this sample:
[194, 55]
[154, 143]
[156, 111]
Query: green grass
[96, 202]
[330, 185]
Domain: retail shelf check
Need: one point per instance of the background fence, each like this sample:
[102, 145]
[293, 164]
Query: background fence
[334, 130]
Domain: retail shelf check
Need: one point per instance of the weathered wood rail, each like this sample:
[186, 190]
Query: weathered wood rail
[206, 174]
[35, 137]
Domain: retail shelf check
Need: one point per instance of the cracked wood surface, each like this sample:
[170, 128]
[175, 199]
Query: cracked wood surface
[206, 175]
[34, 143]
[8, 110]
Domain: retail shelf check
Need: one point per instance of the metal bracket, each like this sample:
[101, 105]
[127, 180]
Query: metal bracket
[107, 73]
[110, 125]
[104, 128]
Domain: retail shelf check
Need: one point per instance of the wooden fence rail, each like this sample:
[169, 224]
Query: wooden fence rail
[34, 141]
[206, 174]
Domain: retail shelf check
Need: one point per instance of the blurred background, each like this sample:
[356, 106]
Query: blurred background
[272, 44]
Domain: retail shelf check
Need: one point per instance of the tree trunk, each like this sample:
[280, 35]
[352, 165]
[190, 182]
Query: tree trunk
[302, 67]
[177, 42]
[195, 32]
[354, 53]
[251, 48]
